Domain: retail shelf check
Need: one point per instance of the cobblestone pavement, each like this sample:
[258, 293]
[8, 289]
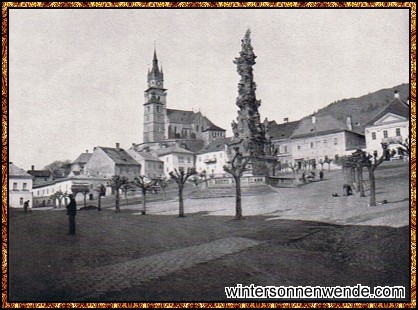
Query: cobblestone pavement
[117, 277]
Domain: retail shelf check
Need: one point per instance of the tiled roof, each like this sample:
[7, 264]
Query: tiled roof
[213, 127]
[120, 157]
[326, 124]
[282, 131]
[40, 173]
[15, 171]
[215, 146]
[82, 158]
[148, 156]
[180, 116]
[396, 106]
[172, 149]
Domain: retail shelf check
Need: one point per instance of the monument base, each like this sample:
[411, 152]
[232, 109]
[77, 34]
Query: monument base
[261, 166]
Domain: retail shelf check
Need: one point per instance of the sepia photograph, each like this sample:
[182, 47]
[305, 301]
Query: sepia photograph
[201, 155]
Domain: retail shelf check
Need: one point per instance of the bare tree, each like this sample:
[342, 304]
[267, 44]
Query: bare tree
[180, 177]
[144, 184]
[101, 189]
[116, 183]
[236, 168]
[59, 168]
[125, 189]
[58, 197]
[372, 162]
[163, 183]
[328, 161]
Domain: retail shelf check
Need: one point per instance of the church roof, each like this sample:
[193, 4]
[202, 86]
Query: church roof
[15, 171]
[148, 156]
[180, 116]
[396, 106]
[213, 127]
[40, 173]
[172, 149]
[281, 131]
[82, 158]
[120, 157]
[323, 125]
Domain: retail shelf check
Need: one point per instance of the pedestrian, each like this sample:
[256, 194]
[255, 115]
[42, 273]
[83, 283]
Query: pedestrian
[303, 177]
[321, 175]
[71, 212]
[26, 206]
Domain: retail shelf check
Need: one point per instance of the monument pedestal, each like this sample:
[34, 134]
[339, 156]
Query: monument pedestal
[262, 166]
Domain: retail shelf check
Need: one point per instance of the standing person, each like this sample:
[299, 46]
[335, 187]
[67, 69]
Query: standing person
[321, 175]
[26, 206]
[71, 212]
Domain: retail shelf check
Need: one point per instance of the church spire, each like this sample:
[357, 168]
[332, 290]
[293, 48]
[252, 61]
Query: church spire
[155, 76]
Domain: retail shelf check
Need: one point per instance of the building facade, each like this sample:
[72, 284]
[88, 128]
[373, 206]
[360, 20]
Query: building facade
[212, 158]
[151, 166]
[175, 157]
[20, 187]
[390, 126]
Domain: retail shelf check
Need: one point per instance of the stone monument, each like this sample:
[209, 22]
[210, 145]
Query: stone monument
[250, 135]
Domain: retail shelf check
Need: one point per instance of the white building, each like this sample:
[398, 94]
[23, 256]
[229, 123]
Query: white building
[318, 137]
[151, 166]
[20, 187]
[391, 125]
[212, 158]
[175, 157]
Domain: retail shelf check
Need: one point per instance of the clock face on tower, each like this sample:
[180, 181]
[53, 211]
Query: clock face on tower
[158, 83]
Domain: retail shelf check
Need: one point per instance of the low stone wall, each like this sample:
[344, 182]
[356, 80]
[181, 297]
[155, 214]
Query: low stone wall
[282, 181]
[230, 182]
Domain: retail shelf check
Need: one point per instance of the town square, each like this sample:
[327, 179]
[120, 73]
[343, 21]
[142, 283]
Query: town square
[150, 164]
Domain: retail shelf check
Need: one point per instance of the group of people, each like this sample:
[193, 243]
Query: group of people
[311, 176]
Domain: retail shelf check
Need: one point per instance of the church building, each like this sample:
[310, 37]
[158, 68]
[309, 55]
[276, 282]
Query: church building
[165, 127]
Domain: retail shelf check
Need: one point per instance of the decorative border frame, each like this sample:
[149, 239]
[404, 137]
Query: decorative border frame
[337, 5]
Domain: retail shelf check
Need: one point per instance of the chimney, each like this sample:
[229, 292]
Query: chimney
[94, 148]
[396, 94]
[87, 151]
[313, 119]
[117, 147]
[349, 122]
[33, 167]
[286, 120]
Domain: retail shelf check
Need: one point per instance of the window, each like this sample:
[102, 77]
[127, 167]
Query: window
[21, 200]
[15, 186]
[298, 147]
[189, 160]
[373, 136]
[285, 148]
[148, 108]
[158, 108]
[325, 141]
[312, 145]
[335, 141]
[398, 132]
[385, 133]
[25, 186]
[181, 159]
[167, 159]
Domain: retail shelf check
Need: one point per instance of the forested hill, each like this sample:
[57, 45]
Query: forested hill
[364, 108]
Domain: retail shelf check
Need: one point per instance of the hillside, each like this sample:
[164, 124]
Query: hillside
[364, 108]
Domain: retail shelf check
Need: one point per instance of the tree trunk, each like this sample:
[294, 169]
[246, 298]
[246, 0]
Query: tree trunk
[238, 208]
[117, 201]
[181, 205]
[164, 194]
[85, 202]
[372, 187]
[144, 202]
[360, 181]
[99, 202]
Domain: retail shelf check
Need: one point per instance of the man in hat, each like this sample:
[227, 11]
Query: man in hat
[71, 212]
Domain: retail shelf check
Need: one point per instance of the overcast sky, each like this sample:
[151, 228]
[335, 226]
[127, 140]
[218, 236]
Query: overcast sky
[77, 76]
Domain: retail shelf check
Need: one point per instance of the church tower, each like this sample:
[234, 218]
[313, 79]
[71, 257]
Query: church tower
[155, 104]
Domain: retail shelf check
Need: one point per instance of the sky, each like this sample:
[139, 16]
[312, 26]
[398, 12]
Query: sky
[77, 76]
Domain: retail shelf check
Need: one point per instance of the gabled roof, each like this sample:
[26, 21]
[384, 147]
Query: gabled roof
[281, 131]
[180, 116]
[213, 127]
[396, 106]
[147, 156]
[15, 171]
[215, 146]
[120, 157]
[40, 173]
[82, 158]
[323, 125]
[172, 149]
